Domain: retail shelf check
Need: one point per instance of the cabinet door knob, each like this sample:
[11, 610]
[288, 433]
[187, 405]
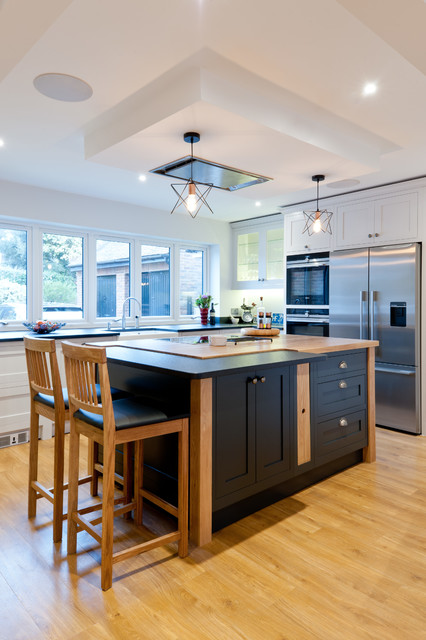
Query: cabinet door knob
[343, 422]
[370, 235]
[306, 246]
[343, 365]
[376, 235]
[262, 379]
[343, 384]
[254, 380]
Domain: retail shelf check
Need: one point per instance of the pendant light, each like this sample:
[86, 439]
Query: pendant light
[191, 195]
[316, 221]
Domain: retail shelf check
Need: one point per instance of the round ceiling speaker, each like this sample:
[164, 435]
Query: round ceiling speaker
[61, 86]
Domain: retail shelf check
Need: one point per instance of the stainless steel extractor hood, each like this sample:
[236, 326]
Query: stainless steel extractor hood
[209, 173]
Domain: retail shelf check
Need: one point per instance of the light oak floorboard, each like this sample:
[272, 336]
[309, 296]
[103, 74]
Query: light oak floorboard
[342, 560]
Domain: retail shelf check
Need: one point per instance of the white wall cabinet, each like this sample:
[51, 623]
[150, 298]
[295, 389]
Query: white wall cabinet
[295, 241]
[385, 220]
[258, 254]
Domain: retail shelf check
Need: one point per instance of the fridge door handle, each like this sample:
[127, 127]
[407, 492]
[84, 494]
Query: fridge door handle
[362, 295]
[372, 315]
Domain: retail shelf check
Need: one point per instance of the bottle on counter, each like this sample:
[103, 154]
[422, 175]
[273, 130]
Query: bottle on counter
[261, 315]
[268, 320]
[212, 315]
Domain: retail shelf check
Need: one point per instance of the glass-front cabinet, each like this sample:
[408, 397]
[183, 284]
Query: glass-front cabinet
[258, 253]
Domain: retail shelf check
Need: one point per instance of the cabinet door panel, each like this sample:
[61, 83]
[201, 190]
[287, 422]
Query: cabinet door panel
[396, 218]
[355, 225]
[298, 242]
[272, 423]
[234, 445]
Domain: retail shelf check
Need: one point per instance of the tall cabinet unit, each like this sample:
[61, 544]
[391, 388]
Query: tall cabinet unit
[258, 253]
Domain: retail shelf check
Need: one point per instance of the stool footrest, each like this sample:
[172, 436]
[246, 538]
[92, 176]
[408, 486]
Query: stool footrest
[163, 504]
[42, 491]
[117, 477]
[145, 546]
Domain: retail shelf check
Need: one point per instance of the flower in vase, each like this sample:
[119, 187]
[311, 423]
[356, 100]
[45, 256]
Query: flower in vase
[203, 300]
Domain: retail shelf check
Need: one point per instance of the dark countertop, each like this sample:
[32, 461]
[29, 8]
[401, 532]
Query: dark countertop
[66, 333]
[204, 368]
[59, 334]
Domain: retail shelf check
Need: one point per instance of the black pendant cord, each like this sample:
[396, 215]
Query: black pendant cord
[192, 156]
[317, 194]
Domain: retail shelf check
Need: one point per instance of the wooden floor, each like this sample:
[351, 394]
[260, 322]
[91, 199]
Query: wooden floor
[344, 559]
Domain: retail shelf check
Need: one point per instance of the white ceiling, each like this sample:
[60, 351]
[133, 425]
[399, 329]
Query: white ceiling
[273, 87]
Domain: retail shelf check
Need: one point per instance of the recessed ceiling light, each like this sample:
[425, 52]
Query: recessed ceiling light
[141, 177]
[61, 86]
[343, 184]
[369, 89]
[257, 204]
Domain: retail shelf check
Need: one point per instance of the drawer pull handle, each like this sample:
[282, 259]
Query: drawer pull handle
[343, 422]
[343, 365]
[343, 384]
[254, 381]
[262, 379]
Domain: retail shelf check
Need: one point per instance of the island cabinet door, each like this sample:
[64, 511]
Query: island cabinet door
[234, 434]
[272, 423]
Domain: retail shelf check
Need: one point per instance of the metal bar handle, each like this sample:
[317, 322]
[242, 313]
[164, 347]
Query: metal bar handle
[361, 315]
[372, 315]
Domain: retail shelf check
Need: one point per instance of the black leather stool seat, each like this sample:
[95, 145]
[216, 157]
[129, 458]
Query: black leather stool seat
[116, 394]
[128, 412]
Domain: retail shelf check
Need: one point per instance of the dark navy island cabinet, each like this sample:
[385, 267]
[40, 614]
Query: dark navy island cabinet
[253, 440]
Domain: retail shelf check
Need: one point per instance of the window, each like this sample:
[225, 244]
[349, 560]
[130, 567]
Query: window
[83, 278]
[62, 277]
[155, 280]
[13, 275]
[191, 266]
[113, 277]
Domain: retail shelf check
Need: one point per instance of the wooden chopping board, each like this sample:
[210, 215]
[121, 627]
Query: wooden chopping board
[248, 331]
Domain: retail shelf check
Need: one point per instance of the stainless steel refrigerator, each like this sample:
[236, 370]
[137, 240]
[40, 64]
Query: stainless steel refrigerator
[375, 294]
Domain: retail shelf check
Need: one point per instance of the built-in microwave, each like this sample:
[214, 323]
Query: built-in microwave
[308, 280]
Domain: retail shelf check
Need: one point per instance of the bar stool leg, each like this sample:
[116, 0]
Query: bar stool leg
[128, 475]
[93, 453]
[73, 489]
[33, 465]
[58, 478]
[107, 515]
[139, 481]
[183, 490]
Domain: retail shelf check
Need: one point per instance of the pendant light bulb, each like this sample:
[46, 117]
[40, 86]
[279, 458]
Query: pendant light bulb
[317, 227]
[191, 199]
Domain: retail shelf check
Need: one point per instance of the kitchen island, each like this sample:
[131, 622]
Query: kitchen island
[267, 418]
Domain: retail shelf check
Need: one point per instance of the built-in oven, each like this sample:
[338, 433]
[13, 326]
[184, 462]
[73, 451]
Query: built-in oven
[307, 322]
[307, 280]
[307, 309]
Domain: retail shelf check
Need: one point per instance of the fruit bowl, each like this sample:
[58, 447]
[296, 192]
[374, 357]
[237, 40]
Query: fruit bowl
[43, 326]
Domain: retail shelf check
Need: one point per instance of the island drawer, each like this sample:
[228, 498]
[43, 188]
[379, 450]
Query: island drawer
[342, 434]
[341, 394]
[343, 363]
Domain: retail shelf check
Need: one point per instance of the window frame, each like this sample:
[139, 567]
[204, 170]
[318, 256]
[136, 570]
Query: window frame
[35, 233]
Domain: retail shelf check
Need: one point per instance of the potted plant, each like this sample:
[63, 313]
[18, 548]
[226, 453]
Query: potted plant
[203, 302]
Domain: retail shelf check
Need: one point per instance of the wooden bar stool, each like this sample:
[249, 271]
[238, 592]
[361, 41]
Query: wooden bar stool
[50, 400]
[108, 423]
